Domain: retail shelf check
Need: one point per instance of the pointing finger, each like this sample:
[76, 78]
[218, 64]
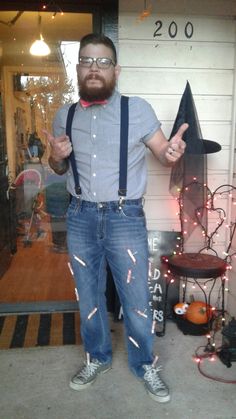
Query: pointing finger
[182, 130]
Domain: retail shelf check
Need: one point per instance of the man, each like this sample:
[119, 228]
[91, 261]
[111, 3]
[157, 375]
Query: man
[103, 227]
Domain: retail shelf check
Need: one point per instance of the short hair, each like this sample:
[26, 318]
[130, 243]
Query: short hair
[96, 38]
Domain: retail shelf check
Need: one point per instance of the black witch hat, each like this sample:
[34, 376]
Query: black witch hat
[191, 169]
[187, 112]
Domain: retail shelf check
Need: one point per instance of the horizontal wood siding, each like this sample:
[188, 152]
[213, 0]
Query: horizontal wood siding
[157, 67]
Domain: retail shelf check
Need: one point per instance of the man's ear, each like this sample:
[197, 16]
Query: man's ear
[117, 71]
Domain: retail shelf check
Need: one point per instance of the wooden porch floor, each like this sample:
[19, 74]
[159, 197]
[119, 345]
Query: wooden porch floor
[37, 273]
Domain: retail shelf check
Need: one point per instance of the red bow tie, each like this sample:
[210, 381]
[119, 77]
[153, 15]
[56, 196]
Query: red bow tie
[86, 104]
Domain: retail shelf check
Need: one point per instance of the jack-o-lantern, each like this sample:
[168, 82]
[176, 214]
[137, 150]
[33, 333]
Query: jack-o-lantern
[198, 312]
[181, 308]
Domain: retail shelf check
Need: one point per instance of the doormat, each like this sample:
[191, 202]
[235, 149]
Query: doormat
[34, 330]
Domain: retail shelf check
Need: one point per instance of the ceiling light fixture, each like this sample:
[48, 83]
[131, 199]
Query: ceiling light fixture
[39, 47]
[54, 6]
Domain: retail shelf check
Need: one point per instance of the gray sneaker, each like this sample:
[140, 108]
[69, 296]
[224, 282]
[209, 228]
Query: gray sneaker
[88, 374]
[154, 385]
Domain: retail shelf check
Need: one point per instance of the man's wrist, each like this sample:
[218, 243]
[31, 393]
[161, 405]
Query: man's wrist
[59, 166]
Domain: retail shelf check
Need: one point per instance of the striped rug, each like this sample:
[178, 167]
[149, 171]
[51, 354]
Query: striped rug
[32, 330]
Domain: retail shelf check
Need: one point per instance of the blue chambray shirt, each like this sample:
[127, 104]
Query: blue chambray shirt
[96, 143]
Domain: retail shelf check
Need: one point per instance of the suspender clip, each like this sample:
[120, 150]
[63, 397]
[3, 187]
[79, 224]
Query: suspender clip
[78, 191]
[121, 202]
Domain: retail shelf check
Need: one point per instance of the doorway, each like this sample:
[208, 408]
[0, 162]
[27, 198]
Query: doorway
[38, 277]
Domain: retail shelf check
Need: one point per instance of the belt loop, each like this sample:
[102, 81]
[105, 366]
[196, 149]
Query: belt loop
[121, 203]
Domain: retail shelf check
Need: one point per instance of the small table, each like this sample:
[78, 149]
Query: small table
[197, 266]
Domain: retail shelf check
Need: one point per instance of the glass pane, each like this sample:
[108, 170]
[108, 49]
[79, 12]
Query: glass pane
[34, 87]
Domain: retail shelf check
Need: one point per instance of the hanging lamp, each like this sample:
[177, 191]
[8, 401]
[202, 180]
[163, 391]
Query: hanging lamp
[39, 46]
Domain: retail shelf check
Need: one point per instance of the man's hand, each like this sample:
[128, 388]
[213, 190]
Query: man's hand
[60, 147]
[168, 152]
[176, 145]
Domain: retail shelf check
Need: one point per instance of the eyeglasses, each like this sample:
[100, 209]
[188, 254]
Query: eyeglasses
[102, 62]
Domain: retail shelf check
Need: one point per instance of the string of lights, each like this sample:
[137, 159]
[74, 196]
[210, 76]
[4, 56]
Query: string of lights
[211, 356]
[222, 191]
[210, 208]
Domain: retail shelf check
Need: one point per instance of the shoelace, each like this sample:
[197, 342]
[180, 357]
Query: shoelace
[88, 370]
[151, 375]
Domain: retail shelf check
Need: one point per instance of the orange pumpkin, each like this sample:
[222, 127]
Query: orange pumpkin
[198, 312]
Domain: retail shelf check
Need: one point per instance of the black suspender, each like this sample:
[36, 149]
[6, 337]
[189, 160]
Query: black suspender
[124, 130]
[69, 120]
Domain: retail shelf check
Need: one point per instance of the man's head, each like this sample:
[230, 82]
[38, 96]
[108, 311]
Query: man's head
[97, 69]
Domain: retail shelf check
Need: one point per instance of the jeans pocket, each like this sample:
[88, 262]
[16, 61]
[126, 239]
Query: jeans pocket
[133, 211]
[73, 209]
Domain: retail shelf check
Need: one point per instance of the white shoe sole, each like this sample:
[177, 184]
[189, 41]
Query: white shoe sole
[80, 387]
[159, 399]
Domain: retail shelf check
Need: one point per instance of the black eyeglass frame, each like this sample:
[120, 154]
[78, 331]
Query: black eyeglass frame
[97, 60]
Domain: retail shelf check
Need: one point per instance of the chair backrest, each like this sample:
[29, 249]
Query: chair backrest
[199, 216]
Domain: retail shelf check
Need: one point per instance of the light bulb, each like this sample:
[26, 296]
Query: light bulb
[40, 48]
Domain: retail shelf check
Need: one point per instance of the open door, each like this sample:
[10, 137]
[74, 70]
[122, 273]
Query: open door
[33, 88]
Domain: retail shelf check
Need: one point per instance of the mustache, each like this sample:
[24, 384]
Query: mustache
[93, 76]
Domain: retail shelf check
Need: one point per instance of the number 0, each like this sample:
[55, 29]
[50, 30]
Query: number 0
[188, 30]
[173, 29]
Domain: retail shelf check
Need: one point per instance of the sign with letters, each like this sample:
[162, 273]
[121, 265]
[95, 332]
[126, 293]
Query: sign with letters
[163, 294]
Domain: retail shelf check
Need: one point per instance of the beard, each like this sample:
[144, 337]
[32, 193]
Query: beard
[90, 93]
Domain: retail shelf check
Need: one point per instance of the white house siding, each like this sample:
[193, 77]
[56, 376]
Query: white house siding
[157, 66]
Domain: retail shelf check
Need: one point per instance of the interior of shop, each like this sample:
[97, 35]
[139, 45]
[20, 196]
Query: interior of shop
[38, 55]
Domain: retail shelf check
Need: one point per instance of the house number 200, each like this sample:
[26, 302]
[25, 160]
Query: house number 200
[173, 29]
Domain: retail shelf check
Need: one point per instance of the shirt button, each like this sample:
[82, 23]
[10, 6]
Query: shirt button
[94, 117]
[94, 175]
[94, 194]
[94, 135]
[94, 156]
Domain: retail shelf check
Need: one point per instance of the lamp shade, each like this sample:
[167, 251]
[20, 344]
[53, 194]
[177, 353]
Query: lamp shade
[40, 48]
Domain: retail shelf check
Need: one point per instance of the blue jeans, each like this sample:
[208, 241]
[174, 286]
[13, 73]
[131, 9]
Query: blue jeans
[98, 233]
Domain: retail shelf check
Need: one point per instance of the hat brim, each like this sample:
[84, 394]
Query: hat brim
[204, 147]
